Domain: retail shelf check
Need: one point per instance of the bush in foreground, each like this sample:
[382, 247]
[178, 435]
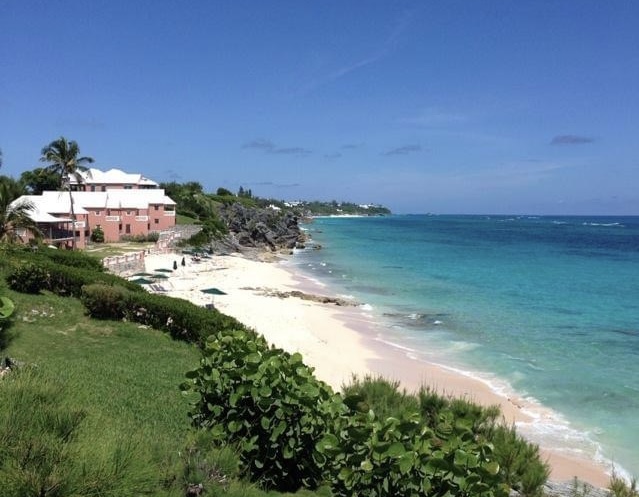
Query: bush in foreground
[267, 402]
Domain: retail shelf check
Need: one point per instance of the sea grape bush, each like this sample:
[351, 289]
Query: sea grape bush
[520, 464]
[365, 455]
[266, 401]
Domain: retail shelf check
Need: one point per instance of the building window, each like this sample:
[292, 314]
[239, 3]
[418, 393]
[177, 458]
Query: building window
[156, 207]
[103, 188]
[92, 188]
[148, 227]
[128, 229]
[157, 221]
[98, 213]
[128, 187]
[128, 213]
[120, 228]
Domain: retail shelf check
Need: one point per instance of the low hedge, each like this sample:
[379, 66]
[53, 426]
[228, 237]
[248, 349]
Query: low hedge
[40, 274]
[180, 318]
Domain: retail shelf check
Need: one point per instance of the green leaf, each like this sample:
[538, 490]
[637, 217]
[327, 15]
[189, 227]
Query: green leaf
[395, 450]
[491, 467]
[253, 358]
[405, 463]
[366, 465]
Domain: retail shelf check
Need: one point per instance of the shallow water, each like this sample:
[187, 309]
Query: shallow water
[547, 307]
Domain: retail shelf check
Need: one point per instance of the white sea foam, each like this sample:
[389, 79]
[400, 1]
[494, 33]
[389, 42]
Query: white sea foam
[603, 224]
[547, 428]
[366, 307]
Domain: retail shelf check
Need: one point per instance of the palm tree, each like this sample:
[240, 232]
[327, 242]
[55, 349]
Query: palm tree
[62, 155]
[14, 216]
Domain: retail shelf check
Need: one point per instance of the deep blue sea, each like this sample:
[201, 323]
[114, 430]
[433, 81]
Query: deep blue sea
[546, 307]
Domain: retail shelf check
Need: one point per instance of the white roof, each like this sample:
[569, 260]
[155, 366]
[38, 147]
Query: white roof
[39, 212]
[112, 177]
[54, 202]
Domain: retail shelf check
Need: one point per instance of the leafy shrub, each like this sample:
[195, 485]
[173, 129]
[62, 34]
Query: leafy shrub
[520, 464]
[97, 235]
[28, 278]
[104, 301]
[267, 402]
[71, 258]
[364, 455]
[180, 318]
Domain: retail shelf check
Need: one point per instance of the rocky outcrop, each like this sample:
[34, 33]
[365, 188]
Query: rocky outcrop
[322, 299]
[261, 228]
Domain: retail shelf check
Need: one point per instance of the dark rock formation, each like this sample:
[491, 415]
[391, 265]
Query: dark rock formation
[261, 228]
[322, 299]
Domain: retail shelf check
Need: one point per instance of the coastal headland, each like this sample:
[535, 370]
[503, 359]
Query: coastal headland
[334, 336]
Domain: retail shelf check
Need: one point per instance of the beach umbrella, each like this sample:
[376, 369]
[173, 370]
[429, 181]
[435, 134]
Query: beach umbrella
[142, 274]
[141, 281]
[213, 291]
[160, 276]
[163, 270]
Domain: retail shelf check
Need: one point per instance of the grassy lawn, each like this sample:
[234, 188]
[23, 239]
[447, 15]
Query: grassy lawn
[182, 219]
[123, 377]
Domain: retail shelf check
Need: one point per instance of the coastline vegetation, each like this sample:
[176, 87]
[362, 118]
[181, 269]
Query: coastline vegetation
[260, 419]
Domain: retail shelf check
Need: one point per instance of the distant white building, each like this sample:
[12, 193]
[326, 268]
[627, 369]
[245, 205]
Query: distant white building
[95, 180]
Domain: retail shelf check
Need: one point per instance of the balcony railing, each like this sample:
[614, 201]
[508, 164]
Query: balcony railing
[141, 218]
[80, 224]
[112, 218]
[169, 213]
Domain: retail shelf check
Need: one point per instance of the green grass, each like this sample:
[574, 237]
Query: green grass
[133, 436]
[124, 377]
[182, 219]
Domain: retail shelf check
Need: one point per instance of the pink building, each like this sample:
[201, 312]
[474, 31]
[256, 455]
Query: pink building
[117, 210]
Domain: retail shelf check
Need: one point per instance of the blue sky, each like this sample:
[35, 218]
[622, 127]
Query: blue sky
[447, 107]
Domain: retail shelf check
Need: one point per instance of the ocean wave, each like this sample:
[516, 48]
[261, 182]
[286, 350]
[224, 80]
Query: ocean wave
[603, 224]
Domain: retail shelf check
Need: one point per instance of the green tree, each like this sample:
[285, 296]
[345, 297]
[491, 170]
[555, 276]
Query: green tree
[14, 216]
[64, 160]
[223, 192]
[39, 180]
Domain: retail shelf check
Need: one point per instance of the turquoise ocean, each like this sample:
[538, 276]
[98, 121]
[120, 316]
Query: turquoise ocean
[546, 308]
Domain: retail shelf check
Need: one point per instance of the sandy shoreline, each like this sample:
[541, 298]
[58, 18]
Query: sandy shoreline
[337, 341]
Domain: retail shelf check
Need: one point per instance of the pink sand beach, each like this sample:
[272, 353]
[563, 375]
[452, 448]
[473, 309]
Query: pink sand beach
[337, 340]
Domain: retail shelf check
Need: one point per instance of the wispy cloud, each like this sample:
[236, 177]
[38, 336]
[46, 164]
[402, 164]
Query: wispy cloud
[376, 54]
[571, 140]
[404, 150]
[269, 147]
